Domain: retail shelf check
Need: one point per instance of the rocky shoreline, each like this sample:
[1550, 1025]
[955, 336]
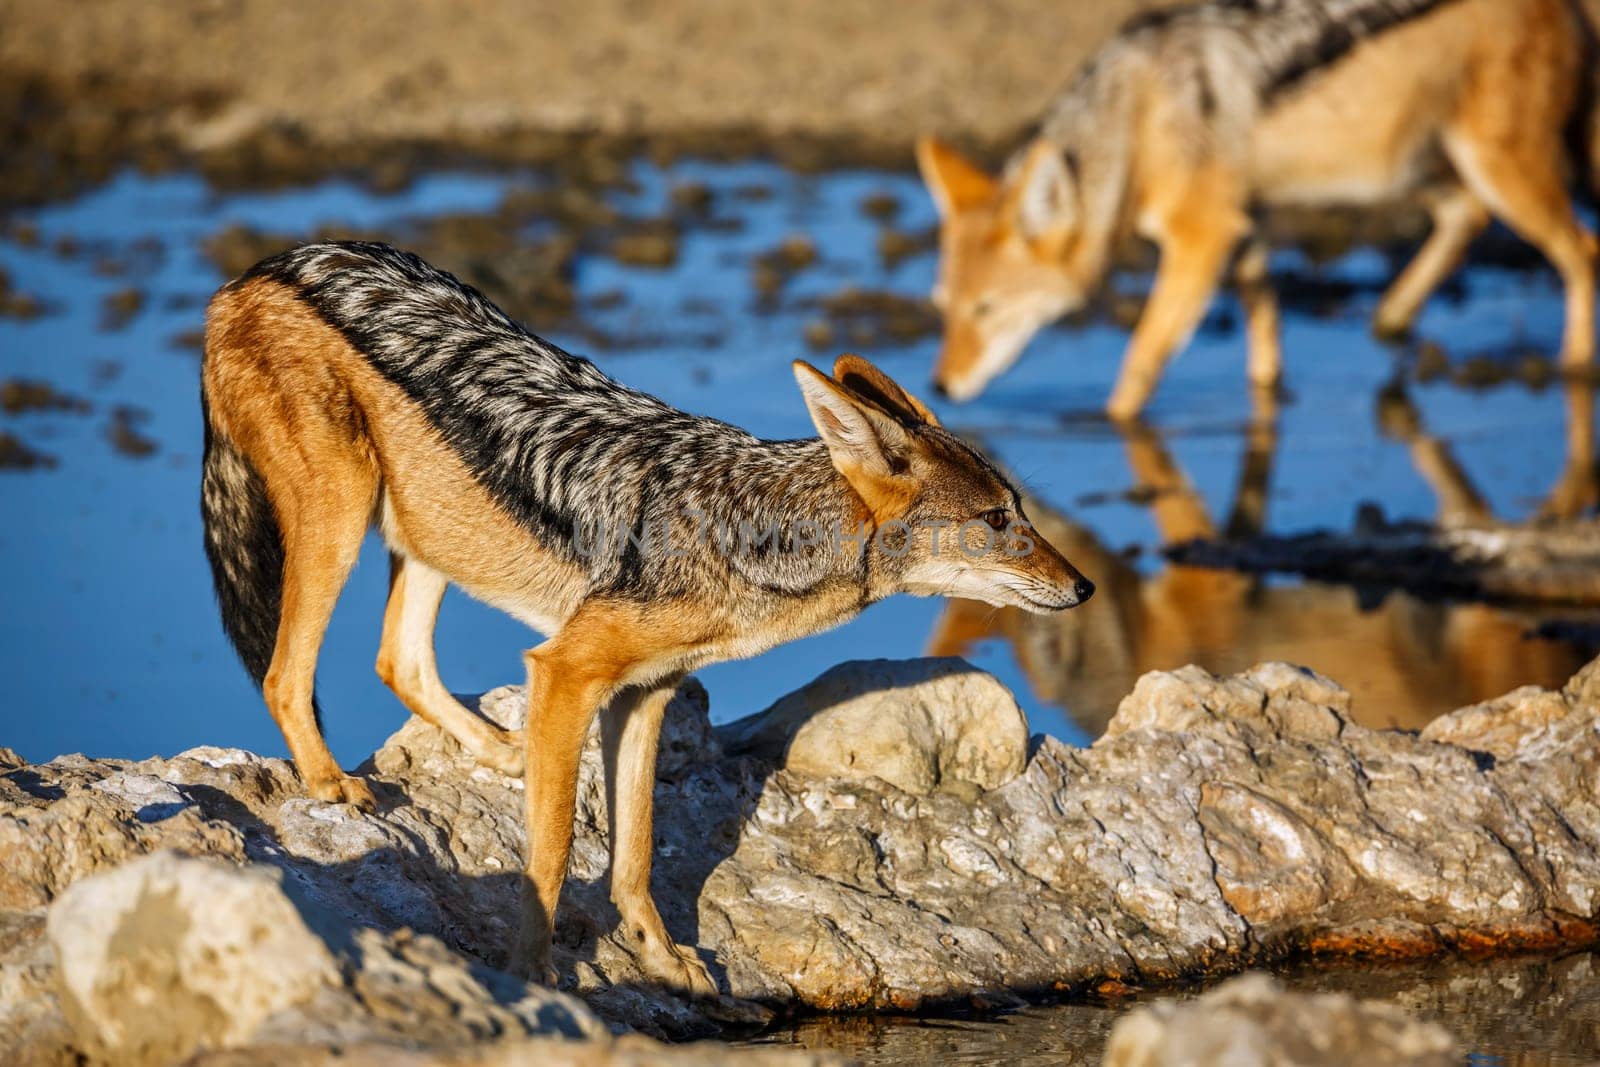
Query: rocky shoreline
[888, 838]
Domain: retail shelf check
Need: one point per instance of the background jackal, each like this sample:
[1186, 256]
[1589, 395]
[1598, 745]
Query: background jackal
[1191, 118]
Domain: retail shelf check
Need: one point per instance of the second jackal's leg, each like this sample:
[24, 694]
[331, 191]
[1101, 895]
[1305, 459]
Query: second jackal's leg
[1192, 261]
[317, 559]
[1458, 217]
[630, 726]
[1516, 170]
[1265, 347]
[407, 665]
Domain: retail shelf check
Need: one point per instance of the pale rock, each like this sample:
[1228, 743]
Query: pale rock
[920, 725]
[165, 956]
[1524, 723]
[1293, 700]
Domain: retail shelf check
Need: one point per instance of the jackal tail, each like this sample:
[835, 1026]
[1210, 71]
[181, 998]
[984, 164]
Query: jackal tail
[245, 548]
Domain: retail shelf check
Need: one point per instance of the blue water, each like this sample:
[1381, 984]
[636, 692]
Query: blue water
[109, 642]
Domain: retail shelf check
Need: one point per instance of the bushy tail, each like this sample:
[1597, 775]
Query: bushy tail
[245, 548]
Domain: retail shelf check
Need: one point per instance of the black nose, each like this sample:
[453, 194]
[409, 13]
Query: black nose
[1083, 589]
[939, 388]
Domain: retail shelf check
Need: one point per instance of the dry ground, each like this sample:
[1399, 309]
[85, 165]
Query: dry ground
[442, 69]
[260, 90]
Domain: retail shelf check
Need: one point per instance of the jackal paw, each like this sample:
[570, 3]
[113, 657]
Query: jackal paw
[503, 754]
[678, 968]
[344, 790]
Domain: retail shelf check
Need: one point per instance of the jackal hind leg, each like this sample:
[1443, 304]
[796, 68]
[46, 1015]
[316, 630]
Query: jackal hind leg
[1458, 217]
[630, 726]
[1195, 246]
[323, 524]
[407, 665]
[1515, 168]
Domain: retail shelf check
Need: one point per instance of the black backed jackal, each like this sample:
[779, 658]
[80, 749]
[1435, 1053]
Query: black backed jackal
[1192, 118]
[348, 385]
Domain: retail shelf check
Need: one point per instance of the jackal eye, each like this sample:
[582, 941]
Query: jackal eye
[997, 518]
[981, 308]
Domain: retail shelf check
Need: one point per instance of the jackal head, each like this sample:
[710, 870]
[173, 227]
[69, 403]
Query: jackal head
[1004, 252]
[946, 521]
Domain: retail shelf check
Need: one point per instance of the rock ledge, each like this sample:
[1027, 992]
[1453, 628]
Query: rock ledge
[1220, 823]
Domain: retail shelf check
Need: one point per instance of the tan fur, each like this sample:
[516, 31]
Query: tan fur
[1466, 105]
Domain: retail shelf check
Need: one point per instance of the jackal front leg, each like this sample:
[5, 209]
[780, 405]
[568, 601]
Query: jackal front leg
[565, 688]
[630, 726]
[1194, 254]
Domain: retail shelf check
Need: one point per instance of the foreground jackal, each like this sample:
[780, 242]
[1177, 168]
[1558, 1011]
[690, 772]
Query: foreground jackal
[351, 384]
[1190, 119]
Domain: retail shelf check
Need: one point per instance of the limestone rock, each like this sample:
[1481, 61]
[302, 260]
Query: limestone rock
[1286, 698]
[1524, 722]
[920, 725]
[1221, 822]
[166, 956]
[1252, 1021]
[89, 816]
[163, 956]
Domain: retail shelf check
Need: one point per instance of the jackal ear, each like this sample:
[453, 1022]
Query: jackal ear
[953, 181]
[871, 384]
[1045, 195]
[860, 438]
